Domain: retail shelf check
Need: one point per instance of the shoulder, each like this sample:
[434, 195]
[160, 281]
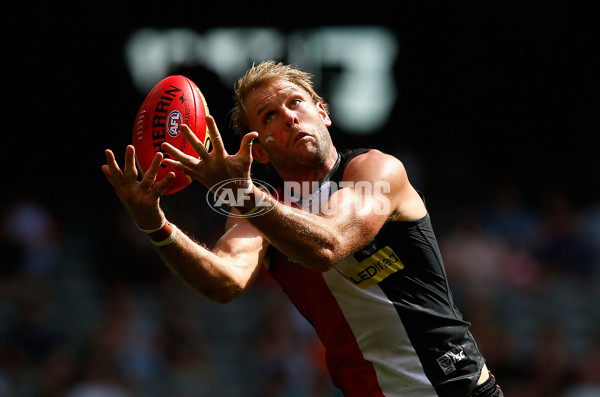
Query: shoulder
[387, 175]
[375, 165]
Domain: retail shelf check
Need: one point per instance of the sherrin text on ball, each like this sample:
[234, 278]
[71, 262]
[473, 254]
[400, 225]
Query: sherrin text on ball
[173, 101]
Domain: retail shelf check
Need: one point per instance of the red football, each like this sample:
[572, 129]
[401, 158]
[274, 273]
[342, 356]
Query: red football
[173, 101]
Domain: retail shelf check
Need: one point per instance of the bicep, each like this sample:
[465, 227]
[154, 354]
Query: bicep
[357, 211]
[374, 189]
[392, 193]
[242, 248]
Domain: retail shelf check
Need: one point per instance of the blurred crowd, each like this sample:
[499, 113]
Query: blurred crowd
[90, 311]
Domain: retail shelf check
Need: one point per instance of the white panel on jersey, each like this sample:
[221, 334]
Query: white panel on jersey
[381, 337]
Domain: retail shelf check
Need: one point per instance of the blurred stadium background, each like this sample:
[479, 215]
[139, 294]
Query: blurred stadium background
[493, 109]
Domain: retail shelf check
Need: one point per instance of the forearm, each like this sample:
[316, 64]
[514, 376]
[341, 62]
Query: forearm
[202, 269]
[193, 263]
[220, 274]
[315, 241]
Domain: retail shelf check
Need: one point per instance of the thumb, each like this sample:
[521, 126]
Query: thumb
[246, 144]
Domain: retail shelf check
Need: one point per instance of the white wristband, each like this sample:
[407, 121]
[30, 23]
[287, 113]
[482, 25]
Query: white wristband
[168, 240]
[148, 231]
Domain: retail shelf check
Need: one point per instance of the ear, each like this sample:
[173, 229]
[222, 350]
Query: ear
[259, 153]
[324, 114]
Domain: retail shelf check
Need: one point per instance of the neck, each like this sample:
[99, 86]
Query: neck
[313, 172]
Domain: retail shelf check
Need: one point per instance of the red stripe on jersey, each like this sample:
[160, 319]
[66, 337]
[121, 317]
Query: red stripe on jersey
[322, 310]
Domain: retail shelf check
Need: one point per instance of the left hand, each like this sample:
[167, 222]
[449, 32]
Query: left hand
[140, 198]
[216, 166]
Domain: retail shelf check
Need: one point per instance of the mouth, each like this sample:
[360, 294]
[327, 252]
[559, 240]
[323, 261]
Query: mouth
[299, 136]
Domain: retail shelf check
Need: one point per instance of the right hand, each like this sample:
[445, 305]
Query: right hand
[140, 198]
[217, 166]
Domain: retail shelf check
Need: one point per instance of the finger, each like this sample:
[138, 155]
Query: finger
[178, 166]
[161, 186]
[111, 165]
[106, 171]
[179, 155]
[246, 145]
[130, 170]
[150, 174]
[193, 140]
[111, 161]
[215, 135]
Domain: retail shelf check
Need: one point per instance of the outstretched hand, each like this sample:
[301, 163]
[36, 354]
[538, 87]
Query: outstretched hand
[140, 198]
[216, 166]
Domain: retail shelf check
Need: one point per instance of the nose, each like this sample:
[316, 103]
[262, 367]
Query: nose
[290, 118]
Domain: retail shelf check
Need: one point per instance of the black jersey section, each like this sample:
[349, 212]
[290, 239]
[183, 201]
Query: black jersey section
[422, 297]
[337, 172]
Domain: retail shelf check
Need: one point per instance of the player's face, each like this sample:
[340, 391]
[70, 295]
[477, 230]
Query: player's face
[290, 125]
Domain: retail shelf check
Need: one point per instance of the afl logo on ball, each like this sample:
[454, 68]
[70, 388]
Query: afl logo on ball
[173, 122]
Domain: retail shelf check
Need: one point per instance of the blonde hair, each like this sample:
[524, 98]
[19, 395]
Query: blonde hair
[259, 74]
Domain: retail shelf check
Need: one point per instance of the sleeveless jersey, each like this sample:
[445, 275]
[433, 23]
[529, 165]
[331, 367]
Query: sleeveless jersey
[385, 314]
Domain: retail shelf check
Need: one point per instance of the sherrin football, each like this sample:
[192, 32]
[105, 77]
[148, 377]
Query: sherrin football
[173, 101]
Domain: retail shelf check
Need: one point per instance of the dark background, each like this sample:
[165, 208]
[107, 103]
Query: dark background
[485, 93]
[496, 120]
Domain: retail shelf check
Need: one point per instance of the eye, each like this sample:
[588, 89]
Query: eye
[269, 116]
